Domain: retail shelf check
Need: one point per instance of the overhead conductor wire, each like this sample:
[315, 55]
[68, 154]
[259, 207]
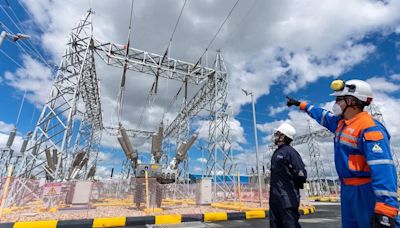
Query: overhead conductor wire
[31, 48]
[167, 54]
[123, 78]
[154, 88]
[216, 34]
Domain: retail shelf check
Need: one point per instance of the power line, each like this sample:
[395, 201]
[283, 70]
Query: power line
[241, 22]
[155, 84]
[177, 22]
[33, 49]
[26, 11]
[120, 97]
[173, 100]
[5, 28]
[11, 58]
[148, 101]
[216, 34]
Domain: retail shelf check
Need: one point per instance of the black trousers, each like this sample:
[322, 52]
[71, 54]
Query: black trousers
[283, 217]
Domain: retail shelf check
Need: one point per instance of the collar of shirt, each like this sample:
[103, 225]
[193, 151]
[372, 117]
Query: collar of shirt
[356, 117]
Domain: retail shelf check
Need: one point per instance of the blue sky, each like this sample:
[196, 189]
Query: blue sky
[295, 52]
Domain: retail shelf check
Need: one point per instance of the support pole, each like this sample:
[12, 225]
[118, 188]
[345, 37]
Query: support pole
[238, 187]
[256, 142]
[3, 35]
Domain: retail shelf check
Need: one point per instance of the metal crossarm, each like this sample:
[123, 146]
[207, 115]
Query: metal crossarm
[150, 63]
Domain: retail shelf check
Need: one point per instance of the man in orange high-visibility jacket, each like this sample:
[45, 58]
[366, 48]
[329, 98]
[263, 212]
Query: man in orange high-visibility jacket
[362, 156]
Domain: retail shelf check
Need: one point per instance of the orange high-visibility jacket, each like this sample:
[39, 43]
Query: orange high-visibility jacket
[362, 155]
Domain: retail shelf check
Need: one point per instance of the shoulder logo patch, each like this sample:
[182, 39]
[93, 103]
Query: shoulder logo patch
[376, 148]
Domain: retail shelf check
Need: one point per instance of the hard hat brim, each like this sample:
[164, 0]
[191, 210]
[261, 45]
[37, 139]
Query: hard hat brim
[337, 94]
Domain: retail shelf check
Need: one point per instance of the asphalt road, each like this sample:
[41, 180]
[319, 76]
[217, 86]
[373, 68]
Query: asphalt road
[325, 216]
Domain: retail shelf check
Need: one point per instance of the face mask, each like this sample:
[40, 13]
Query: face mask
[337, 110]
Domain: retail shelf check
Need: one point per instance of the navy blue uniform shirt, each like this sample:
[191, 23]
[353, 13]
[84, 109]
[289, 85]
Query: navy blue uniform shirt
[288, 174]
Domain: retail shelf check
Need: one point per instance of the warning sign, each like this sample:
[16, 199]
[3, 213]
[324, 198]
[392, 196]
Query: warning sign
[52, 189]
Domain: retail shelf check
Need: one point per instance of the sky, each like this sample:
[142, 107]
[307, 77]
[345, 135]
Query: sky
[274, 48]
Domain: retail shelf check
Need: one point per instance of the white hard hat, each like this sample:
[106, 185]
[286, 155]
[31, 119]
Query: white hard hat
[356, 88]
[287, 130]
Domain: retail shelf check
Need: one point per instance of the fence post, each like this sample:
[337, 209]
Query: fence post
[5, 190]
[147, 190]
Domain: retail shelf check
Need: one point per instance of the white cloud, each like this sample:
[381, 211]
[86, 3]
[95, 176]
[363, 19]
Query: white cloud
[236, 132]
[381, 84]
[102, 172]
[297, 118]
[301, 38]
[309, 67]
[103, 156]
[395, 77]
[5, 127]
[5, 130]
[276, 110]
[34, 77]
[202, 160]
[389, 107]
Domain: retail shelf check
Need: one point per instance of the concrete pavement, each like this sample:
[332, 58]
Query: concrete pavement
[327, 215]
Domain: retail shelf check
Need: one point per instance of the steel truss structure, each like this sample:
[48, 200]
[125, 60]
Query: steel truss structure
[70, 123]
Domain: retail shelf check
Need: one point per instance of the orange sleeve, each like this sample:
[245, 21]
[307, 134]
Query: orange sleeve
[303, 105]
[384, 209]
[373, 135]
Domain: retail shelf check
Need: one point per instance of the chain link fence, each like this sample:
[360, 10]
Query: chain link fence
[31, 200]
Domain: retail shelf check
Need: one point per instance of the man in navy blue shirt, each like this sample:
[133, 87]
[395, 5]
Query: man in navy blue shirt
[288, 175]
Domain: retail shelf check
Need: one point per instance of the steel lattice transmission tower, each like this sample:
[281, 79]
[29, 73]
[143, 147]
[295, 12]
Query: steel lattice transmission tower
[71, 121]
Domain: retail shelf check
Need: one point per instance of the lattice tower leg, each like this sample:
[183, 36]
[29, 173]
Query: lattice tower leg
[219, 147]
[317, 172]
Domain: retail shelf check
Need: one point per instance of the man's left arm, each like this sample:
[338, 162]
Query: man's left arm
[383, 172]
[297, 166]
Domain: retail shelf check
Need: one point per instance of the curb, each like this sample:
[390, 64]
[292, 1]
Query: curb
[305, 210]
[236, 207]
[149, 220]
[142, 220]
[325, 199]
